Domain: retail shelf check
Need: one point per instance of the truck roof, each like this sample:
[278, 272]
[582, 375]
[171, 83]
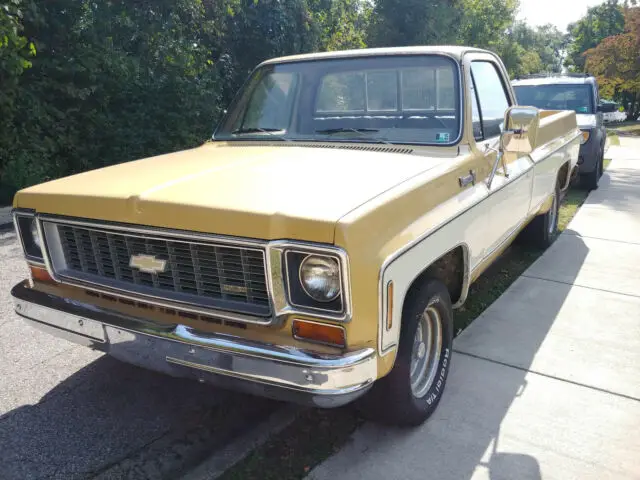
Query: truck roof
[555, 79]
[453, 51]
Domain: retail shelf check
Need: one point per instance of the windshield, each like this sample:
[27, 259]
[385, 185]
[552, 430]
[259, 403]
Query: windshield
[384, 99]
[556, 97]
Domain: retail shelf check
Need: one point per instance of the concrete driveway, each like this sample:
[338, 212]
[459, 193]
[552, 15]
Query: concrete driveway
[67, 412]
[545, 384]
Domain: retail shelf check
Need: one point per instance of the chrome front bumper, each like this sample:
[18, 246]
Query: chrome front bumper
[283, 373]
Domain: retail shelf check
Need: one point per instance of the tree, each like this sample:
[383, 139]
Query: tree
[414, 22]
[16, 52]
[485, 22]
[601, 21]
[112, 81]
[526, 50]
[342, 23]
[15, 48]
[123, 79]
[616, 63]
[549, 43]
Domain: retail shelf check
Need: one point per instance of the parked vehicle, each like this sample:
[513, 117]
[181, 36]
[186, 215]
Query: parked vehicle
[315, 250]
[577, 92]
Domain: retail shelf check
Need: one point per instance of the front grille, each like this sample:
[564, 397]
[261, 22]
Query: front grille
[206, 274]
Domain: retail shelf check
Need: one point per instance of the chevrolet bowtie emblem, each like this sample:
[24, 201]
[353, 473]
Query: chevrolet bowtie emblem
[148, 263]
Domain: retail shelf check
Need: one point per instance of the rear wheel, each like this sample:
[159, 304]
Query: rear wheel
[543, 229]
[410, 393]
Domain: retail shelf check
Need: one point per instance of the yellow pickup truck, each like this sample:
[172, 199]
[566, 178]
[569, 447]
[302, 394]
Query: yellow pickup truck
[316, 248]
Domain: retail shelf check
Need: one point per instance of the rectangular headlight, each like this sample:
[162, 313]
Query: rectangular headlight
[27, 230]
[315, 281]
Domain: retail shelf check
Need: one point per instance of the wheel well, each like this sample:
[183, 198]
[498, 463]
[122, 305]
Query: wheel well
[563, 175]
[449, 269]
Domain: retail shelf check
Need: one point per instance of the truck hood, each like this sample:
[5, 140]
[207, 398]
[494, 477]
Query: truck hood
[267, 192]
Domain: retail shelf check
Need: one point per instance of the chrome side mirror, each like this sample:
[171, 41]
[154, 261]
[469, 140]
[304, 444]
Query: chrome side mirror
[521, 117]
[521, 127]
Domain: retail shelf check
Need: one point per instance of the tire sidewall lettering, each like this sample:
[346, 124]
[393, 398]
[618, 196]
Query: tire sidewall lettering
[437, 388]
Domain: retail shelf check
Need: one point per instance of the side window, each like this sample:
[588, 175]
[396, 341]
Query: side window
[492, 96]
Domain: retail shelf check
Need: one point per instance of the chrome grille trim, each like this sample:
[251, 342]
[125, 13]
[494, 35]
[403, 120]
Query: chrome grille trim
[206, 274]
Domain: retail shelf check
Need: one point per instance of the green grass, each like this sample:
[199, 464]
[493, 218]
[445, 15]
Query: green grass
[316, 434]
[612, 138]
[629, 128]
[626, 129]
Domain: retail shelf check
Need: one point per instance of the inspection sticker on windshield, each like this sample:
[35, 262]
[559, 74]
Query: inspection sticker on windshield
[442, 137]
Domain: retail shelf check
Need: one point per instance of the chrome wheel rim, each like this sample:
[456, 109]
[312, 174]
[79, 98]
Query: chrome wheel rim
[554, 215]
[425, 353]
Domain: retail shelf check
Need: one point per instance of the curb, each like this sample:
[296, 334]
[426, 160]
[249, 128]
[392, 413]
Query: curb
[221, 461]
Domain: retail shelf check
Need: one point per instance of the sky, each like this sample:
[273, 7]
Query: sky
[558, 12]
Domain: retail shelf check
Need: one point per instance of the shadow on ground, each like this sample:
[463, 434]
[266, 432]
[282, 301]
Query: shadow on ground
[114, 420]
[464, 434]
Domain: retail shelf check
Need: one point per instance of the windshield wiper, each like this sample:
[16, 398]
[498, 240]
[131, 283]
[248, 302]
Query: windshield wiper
[270, 131]
[360, 131]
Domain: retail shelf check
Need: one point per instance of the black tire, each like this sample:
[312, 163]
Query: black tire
[602, 162]
[589, 181]
[392, 399]
[542, 231]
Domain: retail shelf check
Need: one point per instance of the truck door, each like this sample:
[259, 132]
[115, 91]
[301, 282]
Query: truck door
[510, 194]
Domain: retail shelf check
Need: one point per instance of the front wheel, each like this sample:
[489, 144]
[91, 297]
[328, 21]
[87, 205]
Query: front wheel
[410, 393]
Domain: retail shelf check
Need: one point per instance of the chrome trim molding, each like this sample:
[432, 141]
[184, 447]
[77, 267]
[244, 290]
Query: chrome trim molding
[205, 238]
[469, 270]
[35, 261]
[54, 258]
[443, 224]
[365, 53]
[287, 373]
[51, 241]
[274, 261]
[384, 300]
[279, 286]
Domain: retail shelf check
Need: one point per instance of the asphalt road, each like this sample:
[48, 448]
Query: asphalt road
[67, 412]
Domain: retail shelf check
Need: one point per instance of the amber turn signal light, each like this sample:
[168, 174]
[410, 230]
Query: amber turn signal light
[319, 333]
[585, 137]
[40, 275]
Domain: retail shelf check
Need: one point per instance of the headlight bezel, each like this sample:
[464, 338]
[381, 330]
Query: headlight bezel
[299, 300]
[23, 222]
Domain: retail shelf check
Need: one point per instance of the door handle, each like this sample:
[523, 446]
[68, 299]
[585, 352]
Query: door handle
[468, 179]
